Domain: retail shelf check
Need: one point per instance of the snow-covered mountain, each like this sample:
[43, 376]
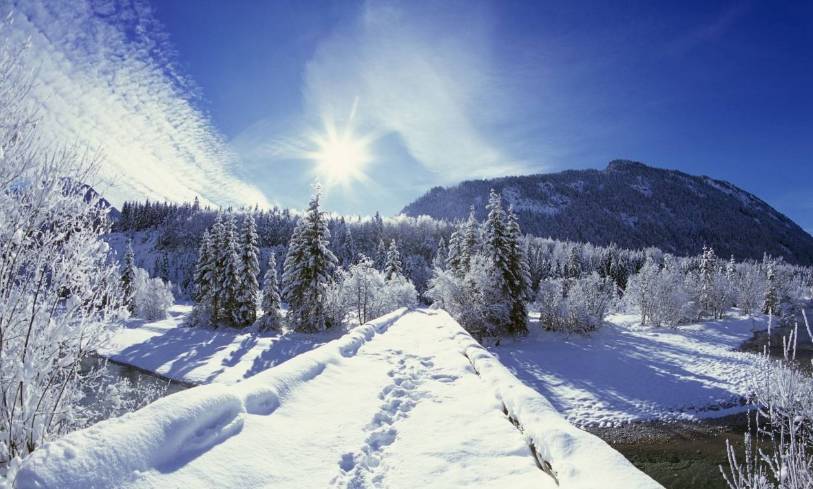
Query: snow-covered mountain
[633, 205]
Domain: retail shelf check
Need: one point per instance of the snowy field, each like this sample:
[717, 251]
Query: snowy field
[625, 372]
[409, 400]
[201, 355]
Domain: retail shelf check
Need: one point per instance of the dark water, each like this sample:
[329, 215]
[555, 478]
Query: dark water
[145, 387]
[681, 455]
[688, 455]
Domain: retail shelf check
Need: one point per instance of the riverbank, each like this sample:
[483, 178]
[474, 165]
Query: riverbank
[200, 355]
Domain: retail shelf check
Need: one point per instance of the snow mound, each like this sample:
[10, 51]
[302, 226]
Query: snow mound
[164, 434]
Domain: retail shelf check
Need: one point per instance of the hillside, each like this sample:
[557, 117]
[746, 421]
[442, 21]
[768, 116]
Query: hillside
[633, 205]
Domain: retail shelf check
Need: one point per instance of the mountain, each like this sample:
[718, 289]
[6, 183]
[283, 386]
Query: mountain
[633, 205]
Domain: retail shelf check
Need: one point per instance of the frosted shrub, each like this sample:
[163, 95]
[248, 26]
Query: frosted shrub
[475, 299]
[153, 297]
[58, 288]
[659, 295]
[749, 288]
[575, 305]
[398, 292]
[366, 293]
[782, 395]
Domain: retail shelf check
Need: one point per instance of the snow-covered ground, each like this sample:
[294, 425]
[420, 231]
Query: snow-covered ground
[625, 372]
[203, 355]
[410, 400]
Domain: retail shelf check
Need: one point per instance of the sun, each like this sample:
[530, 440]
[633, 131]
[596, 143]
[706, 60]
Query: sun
[340, 155]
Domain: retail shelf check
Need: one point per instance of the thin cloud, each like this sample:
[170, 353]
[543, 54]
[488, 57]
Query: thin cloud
[417, 74]
[106, 80]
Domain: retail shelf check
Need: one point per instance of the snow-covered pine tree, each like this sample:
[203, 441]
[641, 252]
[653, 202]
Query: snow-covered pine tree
[349, 252]
[470, 243]
[249, 266]
[128, 276]
[308, 271]
[522, 290]
[271, 298]
[203, 272]
[574, 266]
[230, 287]
[454, 262]
[770, 304]
[393, 267]
[218, 267]
[500, 245]
[441, 255]
[381, 255]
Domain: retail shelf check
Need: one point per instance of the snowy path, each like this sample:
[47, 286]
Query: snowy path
[409, 400]
[625, 373]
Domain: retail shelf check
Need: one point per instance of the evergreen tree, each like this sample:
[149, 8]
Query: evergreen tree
[203, 272]
[770, 304]
[470, 244]
[502, 246]
[128, 277]
[574, 266]
[441, 255]
[218, 268]
[381, 255]
[519, 262]
[454, 260]
[393, 267]
[248, 290]
[308, 271]
[348, 249]
[271, 298]
[229, 299]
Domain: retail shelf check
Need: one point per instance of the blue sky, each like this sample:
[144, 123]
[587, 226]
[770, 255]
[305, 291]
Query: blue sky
[444, 91]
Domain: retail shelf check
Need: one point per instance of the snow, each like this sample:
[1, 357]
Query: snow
[625, 373]
[201, 355]
[408, 400]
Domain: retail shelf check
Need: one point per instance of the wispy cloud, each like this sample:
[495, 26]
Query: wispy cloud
[106, 80]
[416, 73]
[423, 76]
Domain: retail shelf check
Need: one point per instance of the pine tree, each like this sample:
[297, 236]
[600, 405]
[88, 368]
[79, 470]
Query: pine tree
[271, 297]
[503, 247]
[381, 255]
[308, 271]
[349, 252]
[231, 285]
[128, 276]
[574, 266]
[203, 272]
[392, 267]
[248, 290]
[454, 261]
[470, 243]
[218, 268]
[519, 262]
[441, 255]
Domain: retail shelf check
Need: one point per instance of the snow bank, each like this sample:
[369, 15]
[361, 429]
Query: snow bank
[171, 431]
[574, 458]
[164, 434]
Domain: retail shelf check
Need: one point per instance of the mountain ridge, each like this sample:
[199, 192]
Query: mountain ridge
[633, 205]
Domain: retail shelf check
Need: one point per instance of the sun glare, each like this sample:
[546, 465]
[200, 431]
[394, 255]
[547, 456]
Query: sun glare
[340, 156]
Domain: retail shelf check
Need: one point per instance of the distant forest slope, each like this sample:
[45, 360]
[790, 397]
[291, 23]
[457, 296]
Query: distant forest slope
[634, 206]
